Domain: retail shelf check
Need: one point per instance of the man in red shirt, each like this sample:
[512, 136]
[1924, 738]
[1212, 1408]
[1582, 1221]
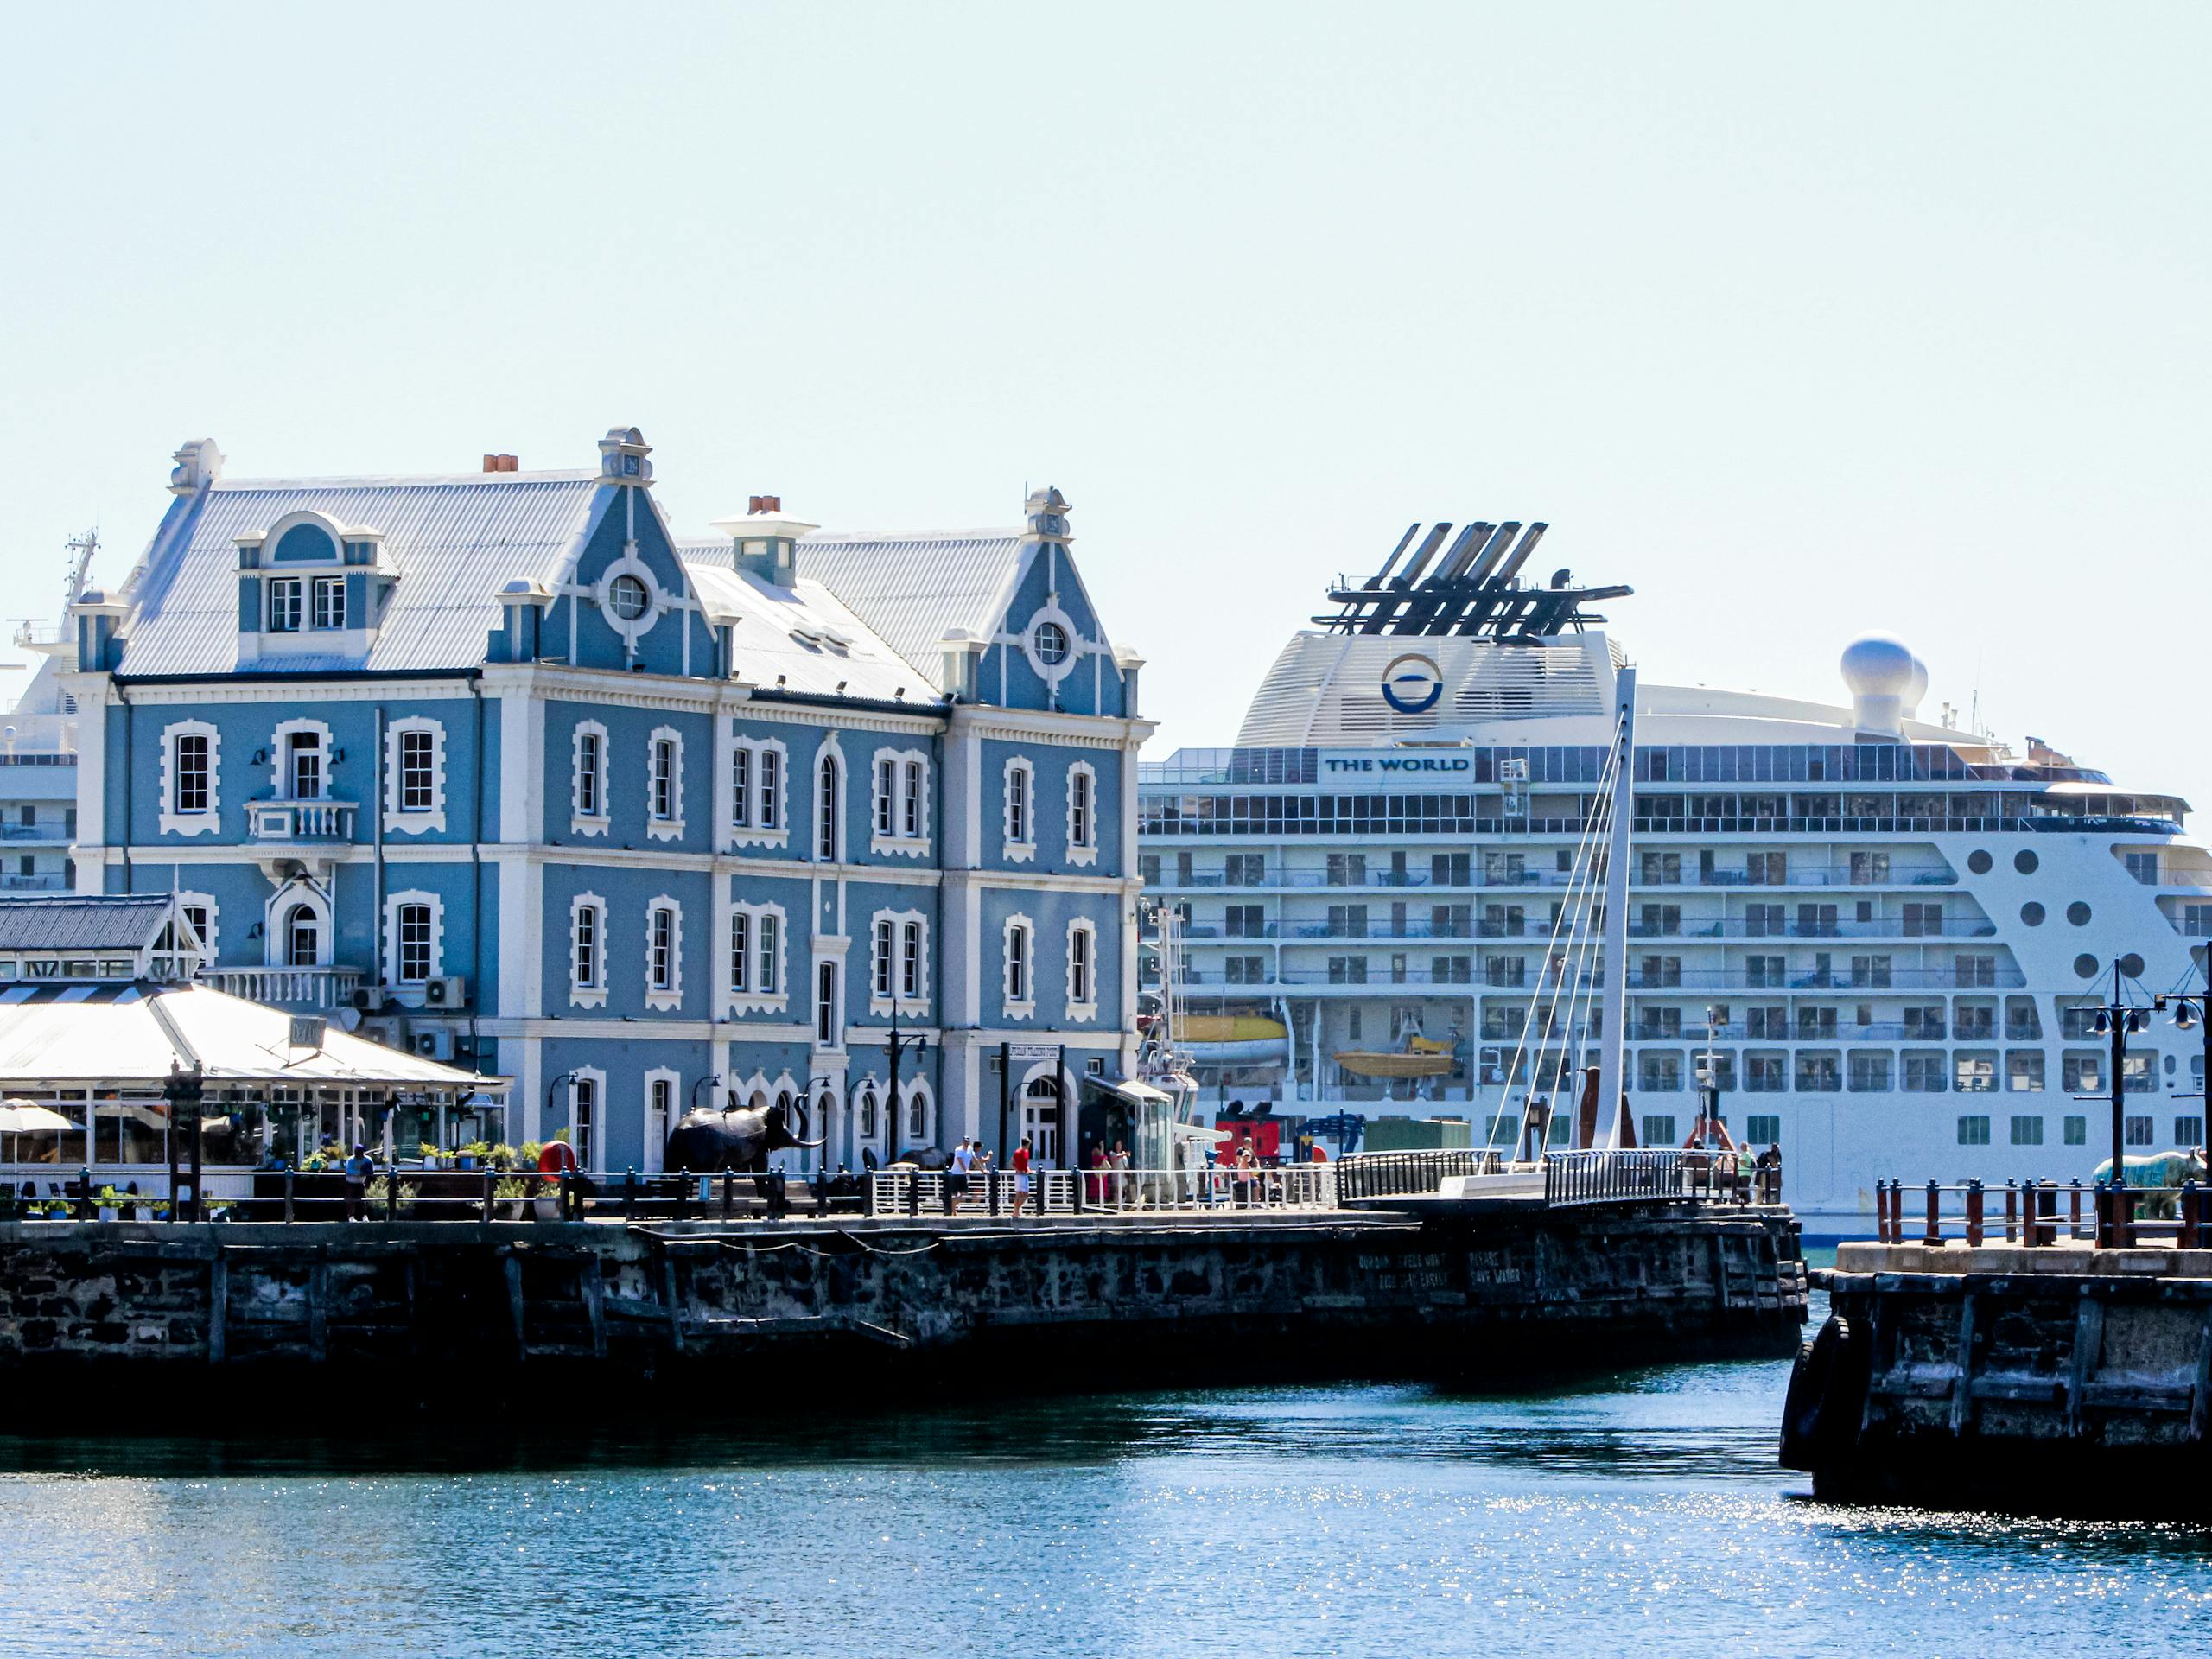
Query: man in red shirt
[1021, 1175]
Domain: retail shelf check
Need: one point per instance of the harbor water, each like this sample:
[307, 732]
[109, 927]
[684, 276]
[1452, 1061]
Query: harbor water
[1326, 1521]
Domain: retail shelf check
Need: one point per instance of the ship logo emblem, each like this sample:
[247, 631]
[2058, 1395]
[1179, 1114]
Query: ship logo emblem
[1412, 683]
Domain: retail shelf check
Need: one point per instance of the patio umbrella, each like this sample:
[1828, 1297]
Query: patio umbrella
[21, 1116]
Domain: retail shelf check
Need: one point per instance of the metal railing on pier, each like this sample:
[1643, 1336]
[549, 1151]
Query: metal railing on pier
[1411, 1174]
[2040, 1214]
[1102, 1191]
[1597, 1175]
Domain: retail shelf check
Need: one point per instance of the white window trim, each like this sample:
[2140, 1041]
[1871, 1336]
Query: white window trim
[1023, 851]
[206, 902]
[392, 901]
[658, 602]
[597, 1078]
[668, 1001]
[898, 918]
[670, 828]
[755, 834]
[191, 823]
[1084, 1011]
[1085, 852]
[918, 1089]
[280, 904]
[587, 823]
[831, 751]
[1022, 1008]
[899, 843]
[593, 996]
[835, 1044]
[280, 755]
[753, 1000]
[649, 1160]
[1052, 673]
[396, 818]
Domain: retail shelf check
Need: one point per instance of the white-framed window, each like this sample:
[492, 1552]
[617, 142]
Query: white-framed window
[190, 776]
[665, 783]
[902, 803]
[1020, 955]
[414, 937]
[588, 814]
[1082, 813]
[297, 926]
[285, 604]
[663, 954]
[1020, 817]
[829, 1028]
[921, 1116]
[757, 769]
[300, 761]
[828, 808]
[202, 917]
[756, 959]
[1082, 970]
[899, 959]
[415, 775]
[329, 602]
[587, 1096]
[302, 937]
[587, 952]
[661, 1094]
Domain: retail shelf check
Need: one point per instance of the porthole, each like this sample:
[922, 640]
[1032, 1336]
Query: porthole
[2024, 861]
[2031, 914]
[2132, 965]
[1979, 861]
[628, 597]
[2078, 913]
[1052, 642]
[2086, 966]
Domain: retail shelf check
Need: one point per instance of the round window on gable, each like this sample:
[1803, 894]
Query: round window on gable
[1051, 640]
[628, 596]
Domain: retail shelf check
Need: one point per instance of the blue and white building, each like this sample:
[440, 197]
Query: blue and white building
[499, 767]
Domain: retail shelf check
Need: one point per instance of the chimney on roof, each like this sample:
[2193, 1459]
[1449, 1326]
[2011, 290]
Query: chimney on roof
[765, 541]
[501, 464]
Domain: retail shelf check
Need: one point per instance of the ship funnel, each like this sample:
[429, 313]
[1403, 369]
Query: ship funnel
[1884, 677]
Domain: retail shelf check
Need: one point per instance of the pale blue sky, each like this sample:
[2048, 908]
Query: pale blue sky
[1805, 320]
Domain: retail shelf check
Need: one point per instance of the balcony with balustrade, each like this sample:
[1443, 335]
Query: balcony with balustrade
[294, 821]
[320, 990]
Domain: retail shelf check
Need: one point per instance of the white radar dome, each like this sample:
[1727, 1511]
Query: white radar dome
[1885, 680]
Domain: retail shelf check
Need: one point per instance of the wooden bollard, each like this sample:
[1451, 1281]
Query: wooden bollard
[290, 1175]
[2107, 1205]
[2012, 1203]
[486, 1200]
[2191, 1215]
[1881, 1212]
[1935, 1214]
[1975, 1231]
[2073, 1209]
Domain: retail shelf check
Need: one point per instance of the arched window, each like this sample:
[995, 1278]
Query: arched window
[868, 1116]
[302, 937]
[917, 1120]
[828, 794]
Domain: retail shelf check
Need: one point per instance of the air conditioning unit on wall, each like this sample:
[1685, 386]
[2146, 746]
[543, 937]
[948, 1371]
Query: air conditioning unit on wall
[450, 992]
[432, 1045]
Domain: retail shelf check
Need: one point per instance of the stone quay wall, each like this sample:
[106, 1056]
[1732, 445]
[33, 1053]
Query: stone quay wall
[2067, 1380]
[403, 1308]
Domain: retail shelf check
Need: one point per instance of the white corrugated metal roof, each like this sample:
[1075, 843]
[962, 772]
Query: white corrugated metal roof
[456, 542]
[83, 921]
[111, 1033]
[801, 637]
[913, 589]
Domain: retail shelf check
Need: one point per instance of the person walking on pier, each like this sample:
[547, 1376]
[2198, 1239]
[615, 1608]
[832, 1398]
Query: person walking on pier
[1020, 1176]
[955, 1180]
[361, 1169]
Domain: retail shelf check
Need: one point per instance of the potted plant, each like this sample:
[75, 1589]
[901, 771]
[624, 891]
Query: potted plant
[510, 1194]
[111, 1204]
[474, 1154]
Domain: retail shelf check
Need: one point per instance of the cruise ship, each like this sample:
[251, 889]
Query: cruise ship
[1885, 938]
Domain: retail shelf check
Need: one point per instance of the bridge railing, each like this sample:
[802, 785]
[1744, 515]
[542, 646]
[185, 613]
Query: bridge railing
[1102, 1191]
[1411, 1174]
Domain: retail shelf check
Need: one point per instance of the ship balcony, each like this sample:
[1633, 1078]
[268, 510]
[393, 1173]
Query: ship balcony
[320, 989]
[40, 881]
[1896, 979]
[1840, 876]
[47, 637]
[1879, 928]
[288, 822]
[20, 834]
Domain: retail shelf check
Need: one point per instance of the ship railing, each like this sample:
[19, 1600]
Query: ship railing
[1102, 1193]
[2043, 1214]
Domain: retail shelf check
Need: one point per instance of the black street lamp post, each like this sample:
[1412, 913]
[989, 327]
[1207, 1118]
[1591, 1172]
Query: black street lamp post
[2193, 1009]
[897, 1045]
[2118, 1020]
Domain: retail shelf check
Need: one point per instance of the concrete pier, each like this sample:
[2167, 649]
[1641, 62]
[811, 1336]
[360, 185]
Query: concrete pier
[406, 1312]
[2060, 1379]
